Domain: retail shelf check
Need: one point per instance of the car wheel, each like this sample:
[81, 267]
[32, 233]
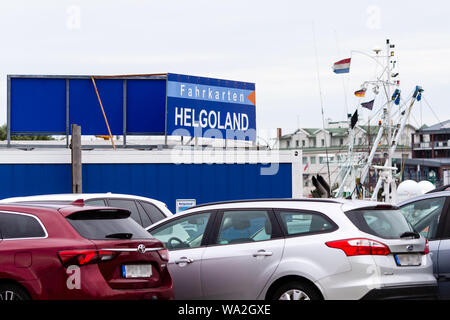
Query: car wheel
[13, 292]
[296, 290]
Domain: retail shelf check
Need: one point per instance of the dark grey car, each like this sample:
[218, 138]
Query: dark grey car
[429, 215]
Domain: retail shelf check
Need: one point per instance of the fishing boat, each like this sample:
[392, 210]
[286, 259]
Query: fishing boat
[352, 178]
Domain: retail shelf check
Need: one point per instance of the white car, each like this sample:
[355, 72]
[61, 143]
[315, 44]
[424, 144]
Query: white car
[144, 211]
[296, 250]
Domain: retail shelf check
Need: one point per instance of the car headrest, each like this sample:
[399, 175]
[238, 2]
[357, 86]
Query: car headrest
[240, 224]
[317, 223]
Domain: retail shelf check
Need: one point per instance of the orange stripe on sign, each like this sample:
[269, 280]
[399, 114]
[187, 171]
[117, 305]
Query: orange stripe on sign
[252, 98]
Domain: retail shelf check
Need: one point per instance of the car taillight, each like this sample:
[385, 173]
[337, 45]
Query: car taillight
[164, 254]
[427, 247]
[359, 247]
[83, 257]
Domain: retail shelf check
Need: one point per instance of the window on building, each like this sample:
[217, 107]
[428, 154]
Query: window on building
[297, 143]
[304, 160]
[321, 160]
[360, 141]
[313, 160]
[303, 143]
[323, 142]
[288, 143]
[341, 141]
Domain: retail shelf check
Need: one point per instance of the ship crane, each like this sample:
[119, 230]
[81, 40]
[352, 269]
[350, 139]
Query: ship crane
[358, 164]
[386, 172]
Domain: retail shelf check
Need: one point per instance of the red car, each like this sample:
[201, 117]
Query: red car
[71, 251]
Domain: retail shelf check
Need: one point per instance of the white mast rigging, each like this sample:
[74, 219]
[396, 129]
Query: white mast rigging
[360, 163]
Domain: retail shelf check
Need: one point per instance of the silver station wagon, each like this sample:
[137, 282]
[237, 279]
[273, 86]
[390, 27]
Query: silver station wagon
[292, 249]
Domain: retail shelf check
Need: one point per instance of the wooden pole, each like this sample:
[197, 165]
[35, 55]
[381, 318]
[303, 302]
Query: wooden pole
[104, 115]
[75, 145]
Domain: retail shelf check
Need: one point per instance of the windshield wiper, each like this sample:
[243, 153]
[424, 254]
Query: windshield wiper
[407, 234]
[120, 235]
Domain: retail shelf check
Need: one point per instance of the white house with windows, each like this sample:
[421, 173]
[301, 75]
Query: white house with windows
[316, 143]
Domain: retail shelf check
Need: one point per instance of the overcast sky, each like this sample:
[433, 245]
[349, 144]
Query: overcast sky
[270, 43]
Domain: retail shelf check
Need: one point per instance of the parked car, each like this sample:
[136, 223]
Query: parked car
[144, 211]
[50, 251]
[296, 250]
[429, 215]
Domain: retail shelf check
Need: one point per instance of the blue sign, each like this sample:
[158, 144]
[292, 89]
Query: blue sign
[205, 107]
[169, 104]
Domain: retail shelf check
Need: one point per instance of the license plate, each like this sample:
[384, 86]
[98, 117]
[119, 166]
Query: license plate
[410, 259]
[137, 270]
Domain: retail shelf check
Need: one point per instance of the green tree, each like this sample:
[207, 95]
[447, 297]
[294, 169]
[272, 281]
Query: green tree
[3, 136]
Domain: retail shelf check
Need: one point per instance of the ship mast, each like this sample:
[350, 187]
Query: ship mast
[388, 125]
[354, 164]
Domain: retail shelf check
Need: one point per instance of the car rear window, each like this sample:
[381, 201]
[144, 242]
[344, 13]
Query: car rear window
[383, 223]
[107, 225]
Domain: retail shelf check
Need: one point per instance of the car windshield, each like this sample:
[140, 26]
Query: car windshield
[385, 223]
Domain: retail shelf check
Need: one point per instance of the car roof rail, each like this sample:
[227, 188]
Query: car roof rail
[323, 200]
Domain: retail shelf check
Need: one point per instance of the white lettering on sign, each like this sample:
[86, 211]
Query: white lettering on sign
[224, 94]
[188, 117]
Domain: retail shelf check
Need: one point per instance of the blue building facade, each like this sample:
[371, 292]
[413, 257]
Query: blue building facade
[163, 181]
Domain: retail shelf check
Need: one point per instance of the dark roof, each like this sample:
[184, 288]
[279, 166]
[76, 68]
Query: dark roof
[441, 127]
[437, 162]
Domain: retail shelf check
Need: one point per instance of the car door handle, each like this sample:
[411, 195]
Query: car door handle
[262, 253]
[184, 260]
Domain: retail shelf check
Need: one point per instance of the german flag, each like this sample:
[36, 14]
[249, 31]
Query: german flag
[360, 93]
